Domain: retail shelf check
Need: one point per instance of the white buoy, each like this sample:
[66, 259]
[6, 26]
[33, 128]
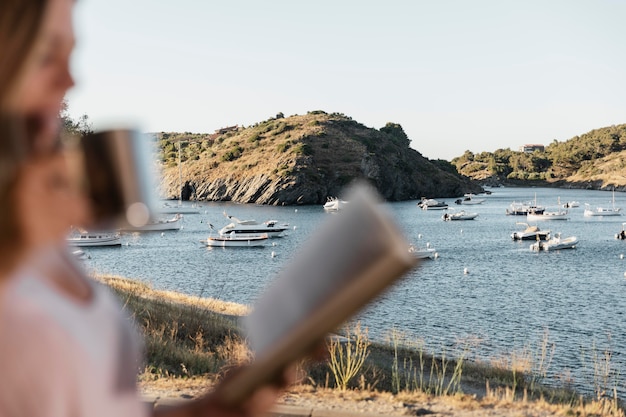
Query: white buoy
[273, 254]
[296, 210]
[162, 233]
[436, 255]
[427, 245]
[465, 271]
[273, 243]
[621, 256]
[295, 227]
[461, 231]
[624, 274]
[419, 236]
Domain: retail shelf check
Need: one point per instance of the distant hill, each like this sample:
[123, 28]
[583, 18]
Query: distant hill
[596, 159]
[304, 159]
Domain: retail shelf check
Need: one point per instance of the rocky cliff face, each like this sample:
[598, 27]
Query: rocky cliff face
[305, 159]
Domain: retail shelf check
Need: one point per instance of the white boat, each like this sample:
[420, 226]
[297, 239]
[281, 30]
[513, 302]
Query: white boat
[530, 233]
[555, 243]
[571, 204]
[522, 209]
[80, 254]
[547, 215]
[168, 208]
[423, 253]
[469, 199]
[234, 240]
[269, 227]
[157, 225]
[90, 239]
[334, 204]
[432, 204]
[602, 211]
[459, 215]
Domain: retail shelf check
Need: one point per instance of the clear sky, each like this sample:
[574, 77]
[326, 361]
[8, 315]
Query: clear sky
[456, 74]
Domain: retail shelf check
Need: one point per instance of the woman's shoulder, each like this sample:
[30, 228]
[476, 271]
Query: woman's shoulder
[25, 304]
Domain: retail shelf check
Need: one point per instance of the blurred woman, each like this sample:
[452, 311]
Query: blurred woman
[28, 89]
[65, 347]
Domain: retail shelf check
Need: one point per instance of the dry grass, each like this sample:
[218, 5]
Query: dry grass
[609, 171]
[184, 336]
[138, 288]
[190, 341]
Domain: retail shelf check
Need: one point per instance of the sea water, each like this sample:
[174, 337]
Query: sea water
[484, 293]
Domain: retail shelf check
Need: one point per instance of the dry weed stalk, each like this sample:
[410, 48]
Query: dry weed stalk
[347, 356]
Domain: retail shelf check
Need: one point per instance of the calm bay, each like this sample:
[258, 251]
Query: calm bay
[510, 300]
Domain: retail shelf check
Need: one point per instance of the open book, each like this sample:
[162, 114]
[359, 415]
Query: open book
[352, 258]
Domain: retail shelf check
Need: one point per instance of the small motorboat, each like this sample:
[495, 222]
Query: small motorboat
[547, 215]
[84, 238]
[530, 233]
[621, 235]
[469, 199]
[251, 227]
[571, 204]
[555, 243]
[522, 209]
[236, 240]
[432, 204]
[80, 254]
[459, 215]
[423, 253]
[334, 204]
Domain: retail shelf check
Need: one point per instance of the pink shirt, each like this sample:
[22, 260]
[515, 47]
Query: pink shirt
[63, 357]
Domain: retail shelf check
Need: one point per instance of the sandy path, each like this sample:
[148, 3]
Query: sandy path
[376, 403]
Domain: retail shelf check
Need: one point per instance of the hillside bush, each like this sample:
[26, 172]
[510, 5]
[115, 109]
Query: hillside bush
[283, 147]
[397, 133]
[232, 154]
[303, 149]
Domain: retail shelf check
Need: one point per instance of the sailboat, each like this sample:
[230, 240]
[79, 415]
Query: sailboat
[602, 211]
[169, 208]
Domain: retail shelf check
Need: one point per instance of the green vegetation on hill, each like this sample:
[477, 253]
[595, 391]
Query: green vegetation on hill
[303, 159]
[594, 159]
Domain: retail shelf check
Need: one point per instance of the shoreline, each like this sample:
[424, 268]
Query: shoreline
[596, 185]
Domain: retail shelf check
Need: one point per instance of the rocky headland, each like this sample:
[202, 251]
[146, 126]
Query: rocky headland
[303, 159]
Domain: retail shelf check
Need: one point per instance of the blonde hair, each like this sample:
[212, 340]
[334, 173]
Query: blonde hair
[20, 25]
